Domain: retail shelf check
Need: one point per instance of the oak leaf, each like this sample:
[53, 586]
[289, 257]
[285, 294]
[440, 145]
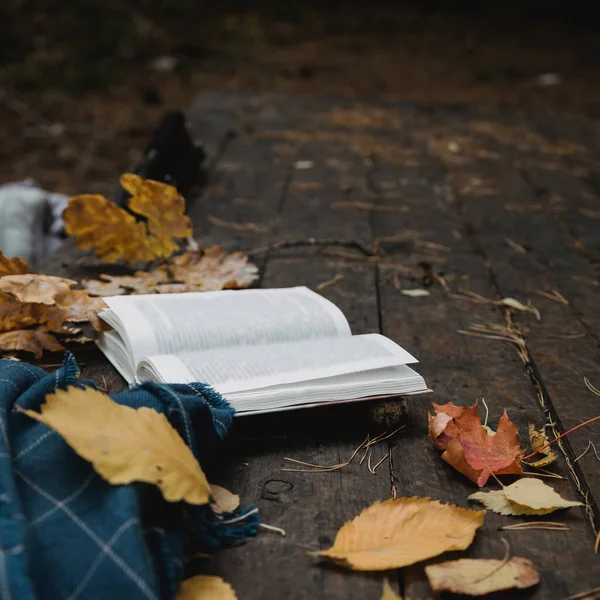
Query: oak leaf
[526, 496]
[124, 444]
[17, 315]
[222, 500]
[210, 270]
[205, 587]
[34, 341]
[40, 289]
[538, 440]
[163, 206]
[401, 532]
[12, 266]
[476, 577]
[82, 308]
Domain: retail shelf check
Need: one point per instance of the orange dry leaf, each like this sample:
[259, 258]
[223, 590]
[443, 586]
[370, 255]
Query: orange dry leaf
[474, 450]
[15, 314]
[95, 222]
[41, 289]
[442, 427]
[30, 340]
[401, 532]
[164, 208]
[210, 270]
[12, 266]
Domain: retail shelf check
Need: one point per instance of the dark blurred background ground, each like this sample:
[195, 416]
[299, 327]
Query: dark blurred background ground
[84, 83]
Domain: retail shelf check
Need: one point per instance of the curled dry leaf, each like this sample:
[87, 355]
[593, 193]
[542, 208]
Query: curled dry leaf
[205, 587]
[476, 577]
[401, 532]
[124, 444]
[527, 496]
[95, 222]
[40, 289]
[34, 341]
[222, 500]
[472, 449]
[83, 308]
[210, 270]
[16, 315]
[538, 440]
[12, 266]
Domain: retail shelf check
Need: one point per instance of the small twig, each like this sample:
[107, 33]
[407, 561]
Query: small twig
[312, 243]
[375, 467]
[252, 227]
[362, 460]
[369, 462]
[273, 528]
[551, 525]
[325, 284]
[487, 412]
[590, 445]
[547, 474]
[589, 386]
[587, 595]
[371, 206]
[516, 246]
[555, 295]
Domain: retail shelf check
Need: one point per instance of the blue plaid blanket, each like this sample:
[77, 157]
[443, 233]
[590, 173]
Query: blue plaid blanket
[65, 533]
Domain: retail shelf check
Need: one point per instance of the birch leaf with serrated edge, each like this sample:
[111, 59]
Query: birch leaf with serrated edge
[401, 532]
[527, 496]
[124, 444]
[205, 587]
[539, 439]
[479, 576]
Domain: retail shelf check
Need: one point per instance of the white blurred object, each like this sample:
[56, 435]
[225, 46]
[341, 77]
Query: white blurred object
[30, 221]
[548, 79]
[163, 64]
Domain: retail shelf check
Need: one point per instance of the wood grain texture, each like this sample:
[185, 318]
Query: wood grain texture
[443, 191]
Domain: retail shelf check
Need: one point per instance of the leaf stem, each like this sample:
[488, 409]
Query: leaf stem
[562, 435]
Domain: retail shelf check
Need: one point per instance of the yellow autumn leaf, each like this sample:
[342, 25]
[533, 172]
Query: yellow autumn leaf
[41, 289]
[401, 532]
[222, 500]
[476, 577]
[124, 444]
[539, 439]
[526, 496]
[205, 587]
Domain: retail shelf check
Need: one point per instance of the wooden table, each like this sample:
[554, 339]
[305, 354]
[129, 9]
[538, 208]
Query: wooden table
[497, 202]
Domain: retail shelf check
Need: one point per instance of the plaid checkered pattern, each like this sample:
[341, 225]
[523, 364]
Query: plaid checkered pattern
[66, 534]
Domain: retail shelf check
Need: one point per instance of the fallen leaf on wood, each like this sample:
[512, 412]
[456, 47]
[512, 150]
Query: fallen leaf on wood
[222, 500]
[34, 341]
[401, 532]
[82, 308]
[40, 289]
[472, 448]
[527, 496]
[539, 440]
[124, 444]
[95, 222]
[17, 315]
[442, 426]
[416, 293]
[12, 266]
[205, 587]
[388, 592]
[164, 208]
[476, 577]
[210, 270]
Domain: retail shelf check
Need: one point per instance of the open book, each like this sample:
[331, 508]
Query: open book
[264, 350]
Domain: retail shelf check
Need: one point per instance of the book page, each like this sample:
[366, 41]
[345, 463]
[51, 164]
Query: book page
[171, 323]
[246, 368]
